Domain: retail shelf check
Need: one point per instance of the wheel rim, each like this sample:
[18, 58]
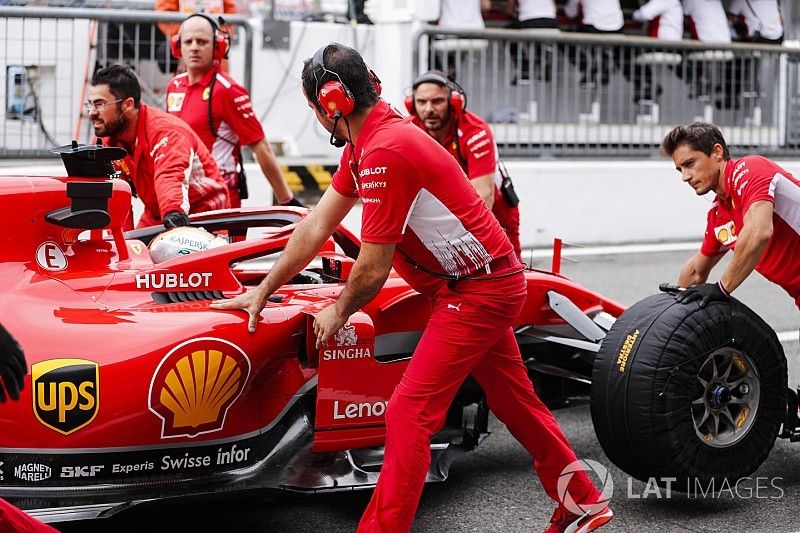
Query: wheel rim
[726, 396]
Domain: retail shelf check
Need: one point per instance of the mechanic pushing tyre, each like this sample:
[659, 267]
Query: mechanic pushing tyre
[688, 392]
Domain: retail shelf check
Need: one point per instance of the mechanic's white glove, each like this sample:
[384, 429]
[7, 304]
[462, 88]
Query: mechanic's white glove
[638, 16]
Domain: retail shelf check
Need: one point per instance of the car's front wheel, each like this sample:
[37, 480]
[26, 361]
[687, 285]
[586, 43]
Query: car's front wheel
[696, 394]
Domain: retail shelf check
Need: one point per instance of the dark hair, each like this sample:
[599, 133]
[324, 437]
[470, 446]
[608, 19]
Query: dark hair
[700, 136]
[432, 76]
[348, 64]
[121, 81]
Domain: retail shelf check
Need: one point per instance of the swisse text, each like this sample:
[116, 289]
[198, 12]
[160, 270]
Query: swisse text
[170, 280]
[358, 410]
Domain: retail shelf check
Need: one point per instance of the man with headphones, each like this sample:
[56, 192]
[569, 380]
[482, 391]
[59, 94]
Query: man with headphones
[168, 166]
[421, 216]
[438, 106]
[219, 110]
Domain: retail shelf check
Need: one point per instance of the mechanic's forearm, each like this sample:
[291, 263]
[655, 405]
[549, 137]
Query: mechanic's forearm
[690, 276]
[485, 187]
[303, 245]
[362, 286]
[269, 166]
[750, 245]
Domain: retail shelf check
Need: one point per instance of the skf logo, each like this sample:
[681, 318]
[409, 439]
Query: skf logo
[726, 234]
[65, 393]
[195, 385]
[81, 471]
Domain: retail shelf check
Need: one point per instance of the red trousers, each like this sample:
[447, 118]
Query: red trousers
[469, 333]
[12, 520]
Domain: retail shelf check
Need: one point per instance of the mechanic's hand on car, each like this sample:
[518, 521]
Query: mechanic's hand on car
[705, 292]
[12, 366]
[293, 202]
[176, 219]
[252, 301]
[327, 323]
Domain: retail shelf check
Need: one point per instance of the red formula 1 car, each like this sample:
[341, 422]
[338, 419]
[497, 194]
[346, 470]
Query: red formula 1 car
[137, 390]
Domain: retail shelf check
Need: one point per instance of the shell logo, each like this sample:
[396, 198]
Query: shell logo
[195, 385]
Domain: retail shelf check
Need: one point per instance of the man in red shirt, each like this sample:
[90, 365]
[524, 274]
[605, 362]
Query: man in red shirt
[439, 109]
[756, 213]
[420, 214]
[219, 110]
[168, 165]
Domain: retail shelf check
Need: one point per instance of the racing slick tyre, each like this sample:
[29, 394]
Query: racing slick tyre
[696, 394]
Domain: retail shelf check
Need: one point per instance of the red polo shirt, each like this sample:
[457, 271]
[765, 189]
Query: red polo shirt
[749, 180]
[231, 112]
[412, 197]
[472, 144]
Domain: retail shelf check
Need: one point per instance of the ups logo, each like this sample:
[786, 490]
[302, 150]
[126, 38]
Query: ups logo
[65, 393]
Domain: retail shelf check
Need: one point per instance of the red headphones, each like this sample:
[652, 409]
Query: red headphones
[334, 96]
[457, 101]
[221, 39]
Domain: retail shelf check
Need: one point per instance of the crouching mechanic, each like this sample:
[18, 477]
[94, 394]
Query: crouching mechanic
[167, 164]
[422, 215]
[756, 213]
[437, 107]
[219, 110]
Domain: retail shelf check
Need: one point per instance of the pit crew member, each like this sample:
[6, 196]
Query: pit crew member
[756, 213]
[438, 108]
[420, 214]
[219, 110]
[167, 164]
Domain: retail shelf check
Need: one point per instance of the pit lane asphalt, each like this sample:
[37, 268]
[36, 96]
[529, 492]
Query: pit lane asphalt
[493, 488]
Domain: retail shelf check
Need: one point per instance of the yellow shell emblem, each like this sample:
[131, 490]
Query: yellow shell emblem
[196, 384]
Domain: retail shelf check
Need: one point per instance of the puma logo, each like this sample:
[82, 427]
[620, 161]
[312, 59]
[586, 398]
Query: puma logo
[456, 307]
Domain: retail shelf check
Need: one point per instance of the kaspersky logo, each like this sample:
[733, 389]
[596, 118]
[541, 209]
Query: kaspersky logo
[65, 393]
[195, 385]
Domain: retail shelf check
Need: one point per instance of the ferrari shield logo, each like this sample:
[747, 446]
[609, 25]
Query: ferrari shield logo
[65, 393]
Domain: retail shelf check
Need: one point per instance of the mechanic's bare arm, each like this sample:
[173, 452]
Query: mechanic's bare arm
[485, 187]
[269, 166]
[696, 270]
[367, 277]
[750, 244]
[303, 245]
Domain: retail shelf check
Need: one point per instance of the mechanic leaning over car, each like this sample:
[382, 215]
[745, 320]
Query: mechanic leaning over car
[167, 164]
[756, 213]
[420, 214]
[13, 370]
[219, 110]
[438, 105]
